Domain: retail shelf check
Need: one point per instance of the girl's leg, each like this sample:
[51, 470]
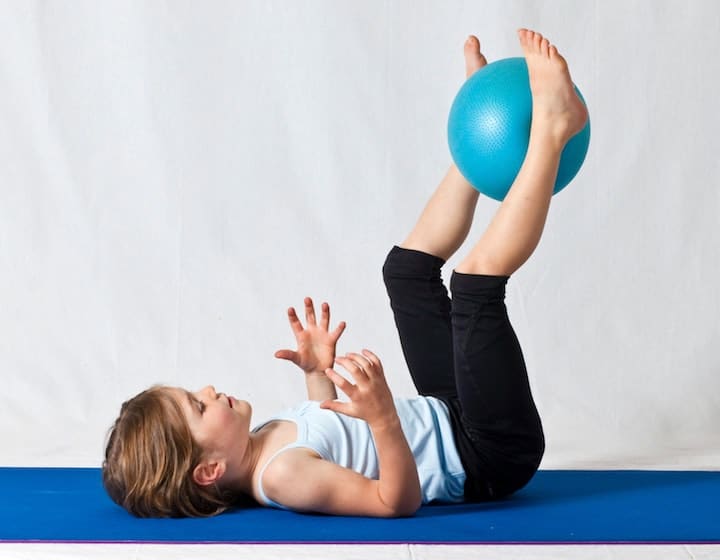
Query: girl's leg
[501, 440]
[446, 219]
[421, 308]
[418, 297]
[558, 114]
[499, 434]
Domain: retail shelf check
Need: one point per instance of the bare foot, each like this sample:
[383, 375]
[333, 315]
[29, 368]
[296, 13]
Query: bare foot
[557, 109]
[474, 59]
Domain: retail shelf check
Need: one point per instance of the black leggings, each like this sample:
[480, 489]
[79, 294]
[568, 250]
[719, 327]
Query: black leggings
[465, 353]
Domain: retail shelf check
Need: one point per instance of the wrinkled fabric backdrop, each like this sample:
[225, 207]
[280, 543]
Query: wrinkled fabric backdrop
[174, 175]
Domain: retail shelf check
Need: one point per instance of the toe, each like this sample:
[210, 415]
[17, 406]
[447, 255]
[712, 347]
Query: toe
[522, 35]
[472, 45]
[536, 41]
[530, 41]
[474, 59]
[544, 47]
[558, 58]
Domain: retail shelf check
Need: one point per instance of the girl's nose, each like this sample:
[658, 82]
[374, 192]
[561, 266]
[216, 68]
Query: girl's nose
[209, 391]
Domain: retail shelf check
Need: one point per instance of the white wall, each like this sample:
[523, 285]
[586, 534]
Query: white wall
[174, 175]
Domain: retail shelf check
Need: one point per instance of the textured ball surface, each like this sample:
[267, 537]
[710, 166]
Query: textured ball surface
[489, 129]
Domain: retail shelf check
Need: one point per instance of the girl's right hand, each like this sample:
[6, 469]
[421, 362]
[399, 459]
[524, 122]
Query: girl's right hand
[315, 342]
[370, 396]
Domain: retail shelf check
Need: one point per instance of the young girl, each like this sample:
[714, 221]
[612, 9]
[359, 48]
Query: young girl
[473, 434]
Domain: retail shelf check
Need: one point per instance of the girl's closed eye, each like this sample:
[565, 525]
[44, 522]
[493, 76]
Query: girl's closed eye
[200, 406]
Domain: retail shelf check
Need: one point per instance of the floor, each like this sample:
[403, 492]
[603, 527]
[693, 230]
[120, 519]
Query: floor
[45, 551]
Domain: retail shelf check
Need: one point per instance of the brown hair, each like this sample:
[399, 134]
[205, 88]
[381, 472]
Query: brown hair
[149, 461]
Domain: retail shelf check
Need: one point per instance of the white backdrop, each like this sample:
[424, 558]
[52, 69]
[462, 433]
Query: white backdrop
[173, 175]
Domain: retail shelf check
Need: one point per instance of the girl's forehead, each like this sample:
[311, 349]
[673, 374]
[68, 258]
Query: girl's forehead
[182, 396]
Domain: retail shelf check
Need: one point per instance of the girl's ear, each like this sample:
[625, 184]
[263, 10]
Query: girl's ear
[208, 473]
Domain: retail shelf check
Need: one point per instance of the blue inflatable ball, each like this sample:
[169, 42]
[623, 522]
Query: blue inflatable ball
[489, 129]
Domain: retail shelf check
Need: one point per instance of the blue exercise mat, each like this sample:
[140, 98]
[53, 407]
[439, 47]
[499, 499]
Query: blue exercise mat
[70, 505]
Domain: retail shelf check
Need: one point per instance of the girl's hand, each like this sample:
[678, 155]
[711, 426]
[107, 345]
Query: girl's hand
[315, 344]
[370, 397]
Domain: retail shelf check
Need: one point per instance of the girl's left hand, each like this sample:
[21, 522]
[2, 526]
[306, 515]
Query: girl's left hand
[370, 396]
[315, 344]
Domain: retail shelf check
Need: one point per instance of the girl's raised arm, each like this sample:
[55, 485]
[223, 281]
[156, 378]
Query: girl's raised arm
[371, 400]
[305, 482]
[315, 349]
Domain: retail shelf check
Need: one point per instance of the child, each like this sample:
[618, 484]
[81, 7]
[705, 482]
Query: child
[473, 434]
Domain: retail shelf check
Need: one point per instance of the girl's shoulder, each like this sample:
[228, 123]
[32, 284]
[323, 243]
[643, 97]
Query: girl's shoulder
[277, 454]
[272, 479]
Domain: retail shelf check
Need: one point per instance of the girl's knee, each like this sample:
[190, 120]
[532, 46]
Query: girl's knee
[407, 264]
[484, 265]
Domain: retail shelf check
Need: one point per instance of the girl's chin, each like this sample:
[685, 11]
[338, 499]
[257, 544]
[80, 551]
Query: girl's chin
[240, 406]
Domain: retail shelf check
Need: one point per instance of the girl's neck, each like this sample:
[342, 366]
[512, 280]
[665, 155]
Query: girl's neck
[240, 476]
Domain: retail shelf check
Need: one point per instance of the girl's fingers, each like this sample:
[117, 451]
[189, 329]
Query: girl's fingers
[295, 324]
[309, 311]
[355, 370]
[335, 406]
[361, 361]
[338, 331]
[286, 355]
[340, 382]
[372, 358]
[325, 316]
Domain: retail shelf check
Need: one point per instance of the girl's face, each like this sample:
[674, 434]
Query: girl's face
[220, 424]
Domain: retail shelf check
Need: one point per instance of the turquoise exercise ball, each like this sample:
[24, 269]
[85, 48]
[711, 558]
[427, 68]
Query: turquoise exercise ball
[489, 129]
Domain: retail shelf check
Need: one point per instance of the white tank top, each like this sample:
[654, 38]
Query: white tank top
[348, 442]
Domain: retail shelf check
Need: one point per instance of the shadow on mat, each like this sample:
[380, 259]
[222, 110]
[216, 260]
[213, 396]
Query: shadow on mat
[557, 487]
